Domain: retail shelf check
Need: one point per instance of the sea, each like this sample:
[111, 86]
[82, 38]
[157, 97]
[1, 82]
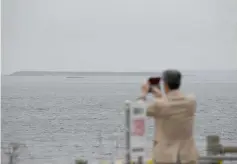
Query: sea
[58, 119]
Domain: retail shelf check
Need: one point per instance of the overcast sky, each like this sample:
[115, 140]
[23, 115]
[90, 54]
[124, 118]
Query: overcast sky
[119, 35]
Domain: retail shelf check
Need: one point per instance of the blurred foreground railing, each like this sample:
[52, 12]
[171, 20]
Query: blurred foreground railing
[215, 150]
[12, 150]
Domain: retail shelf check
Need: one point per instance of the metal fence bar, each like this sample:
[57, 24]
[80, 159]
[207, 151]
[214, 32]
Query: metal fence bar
[127, 132]
[229, 149]
[226, 158]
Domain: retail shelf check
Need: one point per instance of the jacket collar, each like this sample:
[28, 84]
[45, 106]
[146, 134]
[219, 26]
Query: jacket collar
[175, 94]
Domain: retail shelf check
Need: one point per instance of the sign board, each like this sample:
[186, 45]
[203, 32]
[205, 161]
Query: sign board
[138, 129]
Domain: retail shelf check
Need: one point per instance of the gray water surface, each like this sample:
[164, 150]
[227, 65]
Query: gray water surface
[60, 119]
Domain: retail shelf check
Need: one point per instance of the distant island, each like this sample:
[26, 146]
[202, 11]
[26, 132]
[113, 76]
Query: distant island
[81, 74]
[68, 74]
[74, 77]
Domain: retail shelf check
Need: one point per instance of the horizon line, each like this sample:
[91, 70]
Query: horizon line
[123, 71]
[67, 71]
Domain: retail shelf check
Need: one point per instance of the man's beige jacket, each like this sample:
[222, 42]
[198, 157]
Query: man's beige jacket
[174, 123]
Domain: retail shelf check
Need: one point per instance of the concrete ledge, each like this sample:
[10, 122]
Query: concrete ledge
[202, 159]
[224, 158]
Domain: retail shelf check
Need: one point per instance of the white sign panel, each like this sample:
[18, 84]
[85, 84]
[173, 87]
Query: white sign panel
[138, 129]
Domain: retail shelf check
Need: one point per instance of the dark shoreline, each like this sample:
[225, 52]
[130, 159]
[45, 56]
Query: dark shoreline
[68, 74]
[81, 74]
[74, 77]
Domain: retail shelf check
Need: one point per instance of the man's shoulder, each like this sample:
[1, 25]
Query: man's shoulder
[164, 101]
[191, 98]
[161, 102]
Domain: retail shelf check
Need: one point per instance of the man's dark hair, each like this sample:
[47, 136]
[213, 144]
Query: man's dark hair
[172, 78]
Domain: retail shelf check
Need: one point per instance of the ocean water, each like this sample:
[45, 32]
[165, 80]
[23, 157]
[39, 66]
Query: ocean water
[60, 119]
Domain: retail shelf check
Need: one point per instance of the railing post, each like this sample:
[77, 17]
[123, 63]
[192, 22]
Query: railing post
[81, 161]
[229, 149]
[127, 131]
[213, 147]
[12, 152]
[140, 160]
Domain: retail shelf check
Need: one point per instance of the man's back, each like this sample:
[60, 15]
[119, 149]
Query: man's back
[179, 124]
[174, 116]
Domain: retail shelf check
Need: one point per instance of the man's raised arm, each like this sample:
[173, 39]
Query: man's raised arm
[152, 109]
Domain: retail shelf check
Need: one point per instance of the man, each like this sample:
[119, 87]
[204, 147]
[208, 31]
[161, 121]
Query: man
[174, 121]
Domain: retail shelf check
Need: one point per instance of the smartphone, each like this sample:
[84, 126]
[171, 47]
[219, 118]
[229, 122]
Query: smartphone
[154, 82]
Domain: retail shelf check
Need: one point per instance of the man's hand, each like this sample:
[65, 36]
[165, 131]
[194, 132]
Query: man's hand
[145, 89]
[156, 92]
